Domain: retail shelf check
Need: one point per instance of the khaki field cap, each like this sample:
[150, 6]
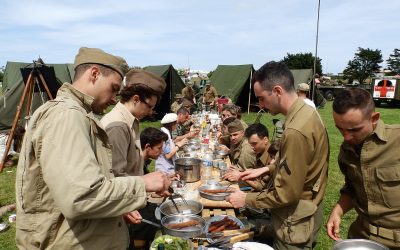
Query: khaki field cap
[98, 56]
[178, 96]
[303, 87]
[140, 76]
[235, 126]
[168, 118]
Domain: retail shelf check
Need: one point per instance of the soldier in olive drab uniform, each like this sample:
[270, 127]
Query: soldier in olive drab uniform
[370, 161]
[177, 104]
[229, 111]
[67, 196]
[188, 93]
[241, 154]
[209, 95]
[299, 175]
[257, 137]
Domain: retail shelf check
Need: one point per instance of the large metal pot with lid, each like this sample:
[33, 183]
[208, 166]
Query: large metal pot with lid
[188, 168]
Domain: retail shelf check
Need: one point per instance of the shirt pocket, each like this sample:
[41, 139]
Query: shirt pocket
[389, 185]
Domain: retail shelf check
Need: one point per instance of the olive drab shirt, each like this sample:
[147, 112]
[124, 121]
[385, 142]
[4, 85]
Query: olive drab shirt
[123, 133]
[372, 179]
[242, 155]
[67, 196]
[209, 95]
[303, 157]
[188, 93]
[175, 106]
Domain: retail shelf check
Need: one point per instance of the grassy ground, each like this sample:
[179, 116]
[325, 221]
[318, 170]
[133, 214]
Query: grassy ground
[389, 115]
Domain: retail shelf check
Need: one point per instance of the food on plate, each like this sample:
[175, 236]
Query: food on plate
[216, 191]
[225, 224]
[181, 225]
[171, 243]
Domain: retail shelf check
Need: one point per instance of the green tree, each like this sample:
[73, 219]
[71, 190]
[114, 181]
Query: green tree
[394, 62]
[1, 73]
[302, 61]
[364, 64]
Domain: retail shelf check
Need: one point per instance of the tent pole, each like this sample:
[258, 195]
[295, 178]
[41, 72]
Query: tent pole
[248, 105]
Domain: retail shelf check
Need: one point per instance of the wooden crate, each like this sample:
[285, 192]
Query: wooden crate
[208, 212]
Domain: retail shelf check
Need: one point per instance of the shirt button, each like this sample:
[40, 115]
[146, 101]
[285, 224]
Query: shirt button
[119, 224]
[110, 170]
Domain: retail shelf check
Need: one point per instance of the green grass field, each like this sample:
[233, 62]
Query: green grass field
[389, 116]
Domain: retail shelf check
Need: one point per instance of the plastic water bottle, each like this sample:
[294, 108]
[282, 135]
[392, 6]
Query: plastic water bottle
[207, 165]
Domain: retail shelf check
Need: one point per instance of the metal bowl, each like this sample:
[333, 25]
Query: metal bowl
[214, 197]
[193, 207]
[358, 244]
[187, 232]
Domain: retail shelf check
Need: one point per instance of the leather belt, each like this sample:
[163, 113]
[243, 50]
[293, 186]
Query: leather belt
[391, 234]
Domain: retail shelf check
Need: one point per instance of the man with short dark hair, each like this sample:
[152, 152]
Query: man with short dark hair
[257, 137]
[299, 175]
[67, 196]
[369, 159]
[181, 129]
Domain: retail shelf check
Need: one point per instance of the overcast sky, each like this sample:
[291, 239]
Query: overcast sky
[202, 33]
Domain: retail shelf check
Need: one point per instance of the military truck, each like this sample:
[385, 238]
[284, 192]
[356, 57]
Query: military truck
[386, 89]
[328, 87]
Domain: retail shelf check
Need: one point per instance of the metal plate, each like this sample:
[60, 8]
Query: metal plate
[218, 218]
[359, 244]
[214, 197]
[187, 232]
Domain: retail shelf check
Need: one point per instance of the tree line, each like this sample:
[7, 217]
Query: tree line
[365, 63]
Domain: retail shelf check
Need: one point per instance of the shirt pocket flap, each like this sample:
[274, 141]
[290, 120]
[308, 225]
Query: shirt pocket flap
[388, 174]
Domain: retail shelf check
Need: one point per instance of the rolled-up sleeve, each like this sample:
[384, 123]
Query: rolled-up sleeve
[73, 174]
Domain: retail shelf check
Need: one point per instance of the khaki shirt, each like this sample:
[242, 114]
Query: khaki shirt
[262, 161]
[372, 176]
[209, 95]
[175, 106]
[303, 158]
[188, 93]
[243, 155]
[67, 196]
[123, 132]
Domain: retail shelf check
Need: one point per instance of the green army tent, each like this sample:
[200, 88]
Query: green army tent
[234, 81]
[174, 86]
[301, 75]
[13, 87]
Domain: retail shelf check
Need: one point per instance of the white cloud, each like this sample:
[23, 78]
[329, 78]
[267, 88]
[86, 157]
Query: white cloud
[208, 32]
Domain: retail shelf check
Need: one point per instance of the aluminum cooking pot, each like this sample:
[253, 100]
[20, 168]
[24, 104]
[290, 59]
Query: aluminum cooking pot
[188, 168]
[192, 207]
[359, 244]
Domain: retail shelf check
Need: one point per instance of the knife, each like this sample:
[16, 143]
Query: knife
[151, 223]
[224, 233]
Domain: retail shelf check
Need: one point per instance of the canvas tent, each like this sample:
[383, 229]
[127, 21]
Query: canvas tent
[301, 75]
[235, 81]
[13, 87]
[174, 86]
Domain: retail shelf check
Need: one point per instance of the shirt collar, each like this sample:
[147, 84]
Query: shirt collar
[265, 156]
[84, 100]
[130, 119]
[380, 131]
[296, 106]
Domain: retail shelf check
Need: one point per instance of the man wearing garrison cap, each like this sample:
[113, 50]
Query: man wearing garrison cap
[67, 196]
[241, 154]
[139, 96]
